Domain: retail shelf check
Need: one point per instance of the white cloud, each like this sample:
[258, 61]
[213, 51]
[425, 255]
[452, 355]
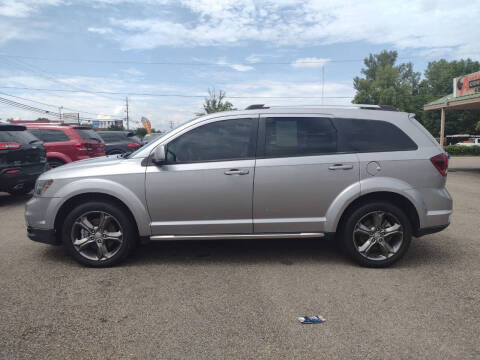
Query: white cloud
[237, 67]
[100, 30]
[161, 110]
[133, 72]
[311, 62]
[407, 24]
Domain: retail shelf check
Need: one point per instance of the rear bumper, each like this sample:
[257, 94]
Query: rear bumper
[46, 236]
[19, 180]
[430, 230]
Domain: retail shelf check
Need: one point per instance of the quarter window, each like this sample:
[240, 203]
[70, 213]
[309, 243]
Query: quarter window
[221, 140]
[357, 135]
[299, 136]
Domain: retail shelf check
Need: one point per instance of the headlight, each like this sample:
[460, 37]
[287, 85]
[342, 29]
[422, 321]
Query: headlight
[41, 186]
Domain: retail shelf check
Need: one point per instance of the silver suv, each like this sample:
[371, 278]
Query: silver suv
[372, 176]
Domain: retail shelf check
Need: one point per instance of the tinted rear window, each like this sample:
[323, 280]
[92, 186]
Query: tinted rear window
[88, 134]
[20, 137]
[50, 135]
[357, 135]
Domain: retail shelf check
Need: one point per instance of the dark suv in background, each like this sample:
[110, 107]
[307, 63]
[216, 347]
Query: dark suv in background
[120, 142]
[22, 159]
[67, 143]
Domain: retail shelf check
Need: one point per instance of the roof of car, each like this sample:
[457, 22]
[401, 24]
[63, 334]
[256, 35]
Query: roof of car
[11, 127]
[56, 126]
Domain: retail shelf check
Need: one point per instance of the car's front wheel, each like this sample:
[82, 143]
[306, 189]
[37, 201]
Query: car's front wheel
[376, 234]
[98, 234]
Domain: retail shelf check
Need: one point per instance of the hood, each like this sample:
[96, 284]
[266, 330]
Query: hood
[83, 167]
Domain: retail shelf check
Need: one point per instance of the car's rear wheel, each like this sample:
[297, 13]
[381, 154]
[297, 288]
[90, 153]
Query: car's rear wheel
[53, 163]
[376, 234]
[99, 234]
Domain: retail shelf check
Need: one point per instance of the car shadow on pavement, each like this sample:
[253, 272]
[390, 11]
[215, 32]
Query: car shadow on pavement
[7, 199]
[422, 252]
[285, 251]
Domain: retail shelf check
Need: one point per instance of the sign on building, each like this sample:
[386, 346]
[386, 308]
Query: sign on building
[466, 85]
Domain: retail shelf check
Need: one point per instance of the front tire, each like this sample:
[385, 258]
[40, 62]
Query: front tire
[376, 234]
[98, 234]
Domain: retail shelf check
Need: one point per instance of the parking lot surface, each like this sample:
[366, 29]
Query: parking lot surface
[241, 299]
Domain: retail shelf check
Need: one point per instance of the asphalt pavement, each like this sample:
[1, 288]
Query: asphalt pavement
[238, 299]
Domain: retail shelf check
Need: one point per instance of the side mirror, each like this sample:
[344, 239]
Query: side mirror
[159, 155]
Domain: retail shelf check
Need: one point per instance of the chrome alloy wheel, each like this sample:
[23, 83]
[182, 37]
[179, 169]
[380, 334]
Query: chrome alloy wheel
[97, 235]
[378, 235]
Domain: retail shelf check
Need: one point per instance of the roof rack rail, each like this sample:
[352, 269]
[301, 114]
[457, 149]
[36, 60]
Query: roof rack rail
[357, 106]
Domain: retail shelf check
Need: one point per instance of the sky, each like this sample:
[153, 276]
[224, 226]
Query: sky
[64, 52]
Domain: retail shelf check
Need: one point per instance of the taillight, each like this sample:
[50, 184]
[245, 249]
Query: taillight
[133, 145]
[84, 146]
[440, 162]
[16, 171]
[9, 145]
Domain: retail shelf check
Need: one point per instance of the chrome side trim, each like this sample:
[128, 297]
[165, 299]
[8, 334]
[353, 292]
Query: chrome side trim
[236, 236]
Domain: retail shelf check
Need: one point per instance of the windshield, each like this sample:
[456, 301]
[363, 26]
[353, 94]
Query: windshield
[21, 137]
[151, 144]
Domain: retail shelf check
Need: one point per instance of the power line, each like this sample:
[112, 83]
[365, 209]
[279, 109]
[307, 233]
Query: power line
[173, 95]
[197, 63]
[195, 96]
[56, 106]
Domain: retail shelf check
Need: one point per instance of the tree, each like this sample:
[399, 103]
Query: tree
[437, 83]
[388, 84]
[140, 131]
[215, 103]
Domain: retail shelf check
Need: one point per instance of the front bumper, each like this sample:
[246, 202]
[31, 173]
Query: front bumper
[46, 236]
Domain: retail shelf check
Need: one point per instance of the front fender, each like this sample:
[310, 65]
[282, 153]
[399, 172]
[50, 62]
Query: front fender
[104, 186]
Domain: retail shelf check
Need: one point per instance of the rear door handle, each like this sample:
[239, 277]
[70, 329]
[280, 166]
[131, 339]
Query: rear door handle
[236, 172]
[340, 167]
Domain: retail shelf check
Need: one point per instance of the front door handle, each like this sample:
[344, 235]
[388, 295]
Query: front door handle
[340, 167]
[236, 172]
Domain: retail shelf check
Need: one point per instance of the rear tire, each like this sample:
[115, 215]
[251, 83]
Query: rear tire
[99, 234]
[53, 163]
[376, 234]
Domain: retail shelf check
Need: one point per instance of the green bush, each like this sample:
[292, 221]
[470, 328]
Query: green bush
[456, 150]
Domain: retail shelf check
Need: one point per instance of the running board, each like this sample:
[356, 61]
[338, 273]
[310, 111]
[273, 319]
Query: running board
[236, 236]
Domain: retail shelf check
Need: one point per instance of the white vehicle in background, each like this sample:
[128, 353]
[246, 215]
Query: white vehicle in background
[470, 142]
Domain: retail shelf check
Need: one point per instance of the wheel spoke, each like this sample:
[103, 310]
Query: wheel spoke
[386, 248]
[392, 230]
[116, 236]
[361, 228]
[378, 218]
[102, 250]
[82, 243]
[366, 246]
[85, 224]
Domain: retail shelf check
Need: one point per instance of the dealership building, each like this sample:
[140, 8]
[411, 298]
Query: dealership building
[465, 96]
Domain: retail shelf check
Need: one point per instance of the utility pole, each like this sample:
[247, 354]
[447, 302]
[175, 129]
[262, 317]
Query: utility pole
[126, 104]
[60, 113]
[323, 83]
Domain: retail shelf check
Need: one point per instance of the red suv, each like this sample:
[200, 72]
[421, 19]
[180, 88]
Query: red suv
[67, 143]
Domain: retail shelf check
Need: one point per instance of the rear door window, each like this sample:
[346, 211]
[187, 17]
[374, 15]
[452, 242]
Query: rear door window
[50, 135]
[358, 135]
[299, 136]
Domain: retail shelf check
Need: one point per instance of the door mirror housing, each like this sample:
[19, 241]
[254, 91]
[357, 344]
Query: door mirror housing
[159, 155]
